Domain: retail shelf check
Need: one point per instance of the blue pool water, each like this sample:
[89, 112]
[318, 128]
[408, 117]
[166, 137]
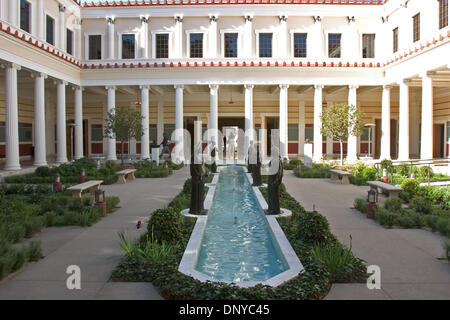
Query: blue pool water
[237, 244]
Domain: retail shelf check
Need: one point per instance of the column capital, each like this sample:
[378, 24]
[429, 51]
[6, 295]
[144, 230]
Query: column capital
[248, 18]
[178, 18]
[110, 20]
[249, 86]
[10, 65]
[283, 18]
[214, 87]
[62, 9]
[284, 86]
[318, 86]
[111, 88]
[387, 87]
[60, 82]
[351, 19]
[144, 19]
[317, 19]
[353, 86]
[76, 88]
[213, 18]
[35, 74]
[179, 86]
[146, 87]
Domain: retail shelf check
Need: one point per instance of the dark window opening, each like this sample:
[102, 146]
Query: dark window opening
[95, 47]
[300, 45]
[265, 45]
[231, 49]
[162, 46]
[334, 45]
[196, 45]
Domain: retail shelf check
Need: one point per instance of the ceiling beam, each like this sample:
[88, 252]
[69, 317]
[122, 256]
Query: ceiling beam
[335, 89]
[157, 90]
[304, 89]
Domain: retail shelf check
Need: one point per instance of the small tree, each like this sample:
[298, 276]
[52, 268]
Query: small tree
[341, 120]
[123, 124]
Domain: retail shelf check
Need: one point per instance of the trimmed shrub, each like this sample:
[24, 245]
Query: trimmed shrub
[112, 203]
[166, 225]
[394, 204]
[360, 204]
[384, 217]
[410, 186]
[312, 227]
[422, 205]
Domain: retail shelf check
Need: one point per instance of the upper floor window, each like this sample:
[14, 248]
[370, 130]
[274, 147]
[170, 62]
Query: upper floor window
[395, 40]
[128, 46]
[443, 14]
[50, 30]
[334, 45]
[69, 41]
[196, 45]
[25, 15]
[300, 45]
[230, 43]
[265, 45]
[416, 27]
[162, 46]
[368, 46]
[95, 47]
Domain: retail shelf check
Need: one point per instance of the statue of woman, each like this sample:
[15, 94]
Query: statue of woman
[256, 174]
[198, 184]
[275, 181]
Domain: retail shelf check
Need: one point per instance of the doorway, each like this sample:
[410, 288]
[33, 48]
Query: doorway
[271, 124]
[438, 141]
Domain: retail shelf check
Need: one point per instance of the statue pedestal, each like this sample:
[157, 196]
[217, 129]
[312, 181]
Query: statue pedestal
[308, 161]
[155, 155]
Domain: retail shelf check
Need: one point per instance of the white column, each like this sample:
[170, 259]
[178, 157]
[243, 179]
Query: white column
[62, 27]
[386, 124]
[40, 19]
[61, 138]
[12, 119]
[318, 100]
[178, 52]
[78, 111]
[330, 141]
[414, 122]
[78, 39]
[214, 113]
[12, 12]
[301, 128]
[352, 143]
[318, 47]
[111, 153]
[282, 38]
[145, 139]
[212, 40]
[403, 134]
[179, 119]
[284, 121]
[352, 40]
[248, 36]
[249, 127]
[144, 37]
[160, 125]
[111, 38]
[426, 145]
[40, 153]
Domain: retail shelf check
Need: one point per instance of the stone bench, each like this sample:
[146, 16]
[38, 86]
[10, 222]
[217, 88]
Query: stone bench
[126, 175]
[335, 174]
[78, 189]
[393, 191]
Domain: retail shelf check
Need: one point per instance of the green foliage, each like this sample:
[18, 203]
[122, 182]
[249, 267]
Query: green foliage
[166, 225]
[360, 204]
[316, 172]
[410, 186]
[313, 228]
[422, 205]
[394, 204]
[384, 217]
[361, 174]
[111, 203]
[446, 247]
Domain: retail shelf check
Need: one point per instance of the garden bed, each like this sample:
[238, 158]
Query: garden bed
[155, 257]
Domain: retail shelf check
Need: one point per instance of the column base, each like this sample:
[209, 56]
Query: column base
[40, 164]
[111, 158]
[12, 168]
[61, 161]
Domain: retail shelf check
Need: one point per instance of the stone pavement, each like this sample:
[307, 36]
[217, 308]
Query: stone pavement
[408, 259]
[96, 249]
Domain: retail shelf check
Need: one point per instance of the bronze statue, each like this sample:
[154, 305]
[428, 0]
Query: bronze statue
[198, 185]
[213, 158]
[275, 181]
[256, 174]
[251, 158]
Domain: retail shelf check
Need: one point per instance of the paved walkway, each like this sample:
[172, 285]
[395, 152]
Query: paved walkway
[408, 259]
[96, 249]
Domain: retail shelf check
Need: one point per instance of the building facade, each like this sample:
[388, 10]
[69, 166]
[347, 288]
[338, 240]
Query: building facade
[211, 64]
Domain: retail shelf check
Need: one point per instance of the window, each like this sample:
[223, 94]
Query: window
[395, 39]
[69, 40]
[265, 45]
[25, 15]
[128, 46]
[2, 131]
[168, 130]
[443, 14]
[368, 46]
[153, 134]
[25, 132]
[230, 43]
[162, 46]
[196, 45]
[334, 45]
[50, 30]
[300, 45]
[416, 27]
[293, 132]
[95, 47]
[309, 133]
[365, 134]
[96, 132]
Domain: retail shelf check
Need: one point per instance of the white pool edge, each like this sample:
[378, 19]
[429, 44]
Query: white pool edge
[190, 256]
